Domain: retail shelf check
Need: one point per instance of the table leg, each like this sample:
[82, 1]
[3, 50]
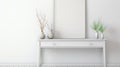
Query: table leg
[104, 56]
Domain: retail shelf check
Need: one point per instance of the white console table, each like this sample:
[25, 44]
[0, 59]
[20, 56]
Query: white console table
[72, 43]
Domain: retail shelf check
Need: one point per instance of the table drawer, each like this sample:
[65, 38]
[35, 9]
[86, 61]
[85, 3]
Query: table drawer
[85, 44]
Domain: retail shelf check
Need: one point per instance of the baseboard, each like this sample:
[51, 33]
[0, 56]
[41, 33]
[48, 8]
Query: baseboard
[58, 65]
[72, 65]
[18, 65]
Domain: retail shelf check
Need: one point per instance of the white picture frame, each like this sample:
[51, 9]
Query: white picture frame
[69, 19]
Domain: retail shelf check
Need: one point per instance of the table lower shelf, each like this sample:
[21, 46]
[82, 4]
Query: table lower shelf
[72, 65]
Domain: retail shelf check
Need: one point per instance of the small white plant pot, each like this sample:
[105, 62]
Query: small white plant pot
[101, 36]
[42, 36]
[96, 35]
[50, 36]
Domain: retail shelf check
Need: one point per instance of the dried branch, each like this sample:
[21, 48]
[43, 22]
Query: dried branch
[42, 21]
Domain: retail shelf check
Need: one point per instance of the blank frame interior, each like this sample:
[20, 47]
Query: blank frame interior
[69, 18]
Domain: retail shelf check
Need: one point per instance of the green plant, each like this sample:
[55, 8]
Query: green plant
[98, 26]
[95, 26]
[101, 28]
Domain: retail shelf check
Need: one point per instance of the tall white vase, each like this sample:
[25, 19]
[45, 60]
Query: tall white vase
[101, 36]
[96, 35]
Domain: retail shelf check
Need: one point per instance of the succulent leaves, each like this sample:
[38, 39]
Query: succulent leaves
[98, 26]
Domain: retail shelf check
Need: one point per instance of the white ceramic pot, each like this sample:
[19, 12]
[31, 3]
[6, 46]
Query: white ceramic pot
[50, 36]
[42, 36]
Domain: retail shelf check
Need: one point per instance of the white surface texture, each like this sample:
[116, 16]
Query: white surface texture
[19, 32]
[108, 11]
[20, 29]
[69, 19]
[58, 65]
[67, 44]
[78, 43]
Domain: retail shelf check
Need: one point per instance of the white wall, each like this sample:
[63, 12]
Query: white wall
[19, 32]
[109, 12]
[19, 29]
